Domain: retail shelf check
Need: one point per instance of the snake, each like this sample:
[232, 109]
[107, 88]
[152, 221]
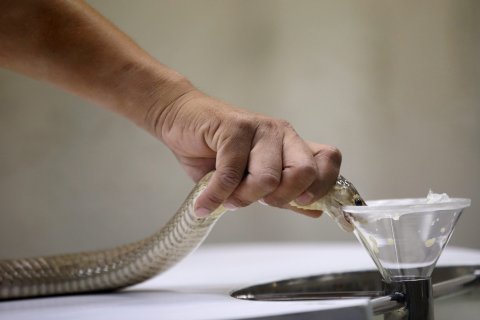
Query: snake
[129, 264]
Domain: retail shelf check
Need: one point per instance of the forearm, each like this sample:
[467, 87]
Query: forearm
[69, 44]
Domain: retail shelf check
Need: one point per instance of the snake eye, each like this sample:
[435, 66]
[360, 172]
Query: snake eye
[358, 202]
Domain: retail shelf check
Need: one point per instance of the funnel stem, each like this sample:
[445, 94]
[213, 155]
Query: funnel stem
[418, 299]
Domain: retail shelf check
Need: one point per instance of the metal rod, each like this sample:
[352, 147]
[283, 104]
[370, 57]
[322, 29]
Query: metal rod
[311, 295]
[386, 304]
[456, 285]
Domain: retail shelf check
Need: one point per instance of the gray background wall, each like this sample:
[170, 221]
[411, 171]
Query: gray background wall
[393, 84]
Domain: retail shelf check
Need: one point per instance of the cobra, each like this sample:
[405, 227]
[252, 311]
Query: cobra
[129, 264]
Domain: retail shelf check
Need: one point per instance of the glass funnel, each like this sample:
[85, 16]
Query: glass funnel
[405, 237]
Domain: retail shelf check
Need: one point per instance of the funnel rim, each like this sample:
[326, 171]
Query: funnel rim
[407, 205]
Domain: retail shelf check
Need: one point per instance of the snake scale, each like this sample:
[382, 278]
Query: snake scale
[129, 264]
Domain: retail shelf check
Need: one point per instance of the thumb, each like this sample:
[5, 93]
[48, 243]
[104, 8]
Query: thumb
[232, 159]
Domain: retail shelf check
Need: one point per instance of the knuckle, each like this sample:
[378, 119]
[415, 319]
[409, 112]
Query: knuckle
[333, 154]
[213, 201]
[268, 181]
[304, 172]
[285, 124]
[268, 125]
[238, 201]
[229, 178]
[244, 126]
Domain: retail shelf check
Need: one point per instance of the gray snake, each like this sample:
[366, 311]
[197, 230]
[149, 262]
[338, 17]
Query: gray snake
[129, 264]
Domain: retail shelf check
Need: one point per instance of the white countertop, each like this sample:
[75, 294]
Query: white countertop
[199, 287]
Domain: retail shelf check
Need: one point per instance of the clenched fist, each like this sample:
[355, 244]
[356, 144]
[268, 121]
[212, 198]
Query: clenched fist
[255, 158]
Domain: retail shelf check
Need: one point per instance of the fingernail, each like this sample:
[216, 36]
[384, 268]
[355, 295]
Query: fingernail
[202, 212]
[230, 207]
[304, 199]
[261, 201]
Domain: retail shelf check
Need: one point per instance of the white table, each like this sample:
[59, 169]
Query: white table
[200, 286]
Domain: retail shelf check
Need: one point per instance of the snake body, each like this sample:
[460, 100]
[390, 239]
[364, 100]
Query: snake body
[133, 263]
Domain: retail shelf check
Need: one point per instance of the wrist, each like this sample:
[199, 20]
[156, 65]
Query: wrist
[167, 97]
[144, 93]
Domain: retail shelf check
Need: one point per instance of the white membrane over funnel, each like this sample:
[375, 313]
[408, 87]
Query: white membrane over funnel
[405, 237]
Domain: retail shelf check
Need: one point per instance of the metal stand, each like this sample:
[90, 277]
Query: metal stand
[417, 296]
[408, 299]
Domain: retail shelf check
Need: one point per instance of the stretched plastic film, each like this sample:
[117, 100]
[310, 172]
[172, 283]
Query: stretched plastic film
[405, 237]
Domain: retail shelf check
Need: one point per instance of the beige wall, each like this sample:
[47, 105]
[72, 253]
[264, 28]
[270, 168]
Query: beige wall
[393, 84]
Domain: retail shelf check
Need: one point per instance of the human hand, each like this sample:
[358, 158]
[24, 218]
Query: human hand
[254, 157]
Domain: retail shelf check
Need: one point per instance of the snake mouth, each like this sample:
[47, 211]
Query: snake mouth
[360, 202]
[344, 214]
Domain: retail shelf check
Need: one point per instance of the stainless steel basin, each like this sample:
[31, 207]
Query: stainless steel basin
[446, 281]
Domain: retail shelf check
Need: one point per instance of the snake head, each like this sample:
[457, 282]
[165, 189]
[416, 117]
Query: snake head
[342, 194]
[345, 193]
